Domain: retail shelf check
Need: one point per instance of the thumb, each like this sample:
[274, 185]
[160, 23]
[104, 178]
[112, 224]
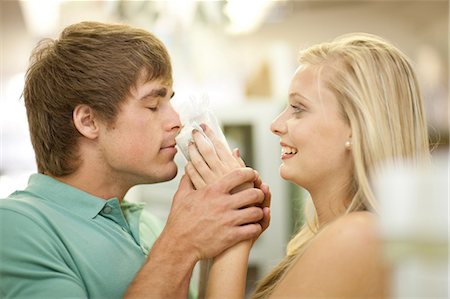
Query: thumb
[185, 186]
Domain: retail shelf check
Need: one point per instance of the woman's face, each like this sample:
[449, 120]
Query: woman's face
[312, 134]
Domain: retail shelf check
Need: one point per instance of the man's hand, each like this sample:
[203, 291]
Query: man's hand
[205, 222]
[265, 205]
[210, 163]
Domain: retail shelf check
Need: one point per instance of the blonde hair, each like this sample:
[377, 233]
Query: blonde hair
[378, 92]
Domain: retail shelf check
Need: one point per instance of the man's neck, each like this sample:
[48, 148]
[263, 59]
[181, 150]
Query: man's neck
[102, 187]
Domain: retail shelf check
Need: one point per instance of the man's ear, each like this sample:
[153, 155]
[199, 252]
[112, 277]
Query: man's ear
[85, 121]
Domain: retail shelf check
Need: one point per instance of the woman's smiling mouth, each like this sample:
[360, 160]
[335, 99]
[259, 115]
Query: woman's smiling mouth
[287, 151]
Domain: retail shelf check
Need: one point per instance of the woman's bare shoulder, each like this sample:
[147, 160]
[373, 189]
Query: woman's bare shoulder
[353, 236]
[344, 260]
[353, 229]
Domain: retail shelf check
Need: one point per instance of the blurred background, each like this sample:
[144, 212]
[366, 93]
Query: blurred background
[241, 54]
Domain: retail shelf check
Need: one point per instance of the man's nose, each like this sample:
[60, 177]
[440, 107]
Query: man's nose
[174, 122]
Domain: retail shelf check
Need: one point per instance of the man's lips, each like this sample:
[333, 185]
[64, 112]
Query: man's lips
[169, 146]
[169, 150]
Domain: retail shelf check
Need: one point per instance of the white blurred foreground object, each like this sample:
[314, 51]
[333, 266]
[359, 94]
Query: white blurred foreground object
[193, 113]
[414, 226]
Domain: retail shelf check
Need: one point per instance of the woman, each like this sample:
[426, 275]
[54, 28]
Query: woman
[354, 105]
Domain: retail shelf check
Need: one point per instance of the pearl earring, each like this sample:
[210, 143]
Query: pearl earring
[348, 144]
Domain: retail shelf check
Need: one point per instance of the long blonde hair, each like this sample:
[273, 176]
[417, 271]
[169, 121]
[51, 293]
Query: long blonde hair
[378, 92]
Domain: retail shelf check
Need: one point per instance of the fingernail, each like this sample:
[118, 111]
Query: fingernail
[238, 152]
[203, 126]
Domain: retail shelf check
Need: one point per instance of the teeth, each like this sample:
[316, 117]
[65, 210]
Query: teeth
[288, 150]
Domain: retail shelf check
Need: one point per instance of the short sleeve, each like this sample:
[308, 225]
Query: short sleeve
[32, 260]
[150, 227]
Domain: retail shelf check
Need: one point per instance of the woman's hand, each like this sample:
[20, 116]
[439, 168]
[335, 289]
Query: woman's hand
[209, 162]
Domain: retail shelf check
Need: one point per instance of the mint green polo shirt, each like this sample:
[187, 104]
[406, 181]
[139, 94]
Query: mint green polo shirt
[60, 242]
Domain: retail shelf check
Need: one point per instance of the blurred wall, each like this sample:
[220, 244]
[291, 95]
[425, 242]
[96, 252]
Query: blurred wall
[246, 75]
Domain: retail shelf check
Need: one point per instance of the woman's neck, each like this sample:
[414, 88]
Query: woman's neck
[331, 202]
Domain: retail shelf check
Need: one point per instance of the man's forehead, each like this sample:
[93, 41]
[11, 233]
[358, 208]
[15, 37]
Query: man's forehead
[146, 76]
[156, 87]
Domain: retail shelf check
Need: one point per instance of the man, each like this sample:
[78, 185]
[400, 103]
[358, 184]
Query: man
[101, 122]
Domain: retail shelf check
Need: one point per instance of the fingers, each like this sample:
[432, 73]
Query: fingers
[242, 187]
[235, 178]
[195, 177]
[222, 149]
[265, 205]
[246, 198]
[211, 158]
[267, 195]
[207, 151]
[258, 182]
[265, 189]
[248, 215]
[248, 231]
[185, 186]
[237, 157]
[198, 161]
[265, 221]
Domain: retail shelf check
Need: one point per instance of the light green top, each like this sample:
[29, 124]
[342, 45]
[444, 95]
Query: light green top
[60, 242]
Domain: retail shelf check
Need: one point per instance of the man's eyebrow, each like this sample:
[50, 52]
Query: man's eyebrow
[160, 92]
[156, 93]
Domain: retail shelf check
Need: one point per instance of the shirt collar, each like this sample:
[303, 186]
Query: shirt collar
[69, 197]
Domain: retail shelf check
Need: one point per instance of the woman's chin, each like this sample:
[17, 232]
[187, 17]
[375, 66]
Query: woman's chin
[291, 176]
[285, 174]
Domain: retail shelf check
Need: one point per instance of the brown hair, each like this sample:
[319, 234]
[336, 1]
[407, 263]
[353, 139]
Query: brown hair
[91, 63]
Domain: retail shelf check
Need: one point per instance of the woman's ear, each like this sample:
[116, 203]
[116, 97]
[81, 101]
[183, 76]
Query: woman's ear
[348, 143]
[85, 121]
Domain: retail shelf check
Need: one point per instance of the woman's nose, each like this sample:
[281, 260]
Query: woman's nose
[278, 125]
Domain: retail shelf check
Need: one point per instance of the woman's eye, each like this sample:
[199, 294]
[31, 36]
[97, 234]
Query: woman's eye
[297, 109]
[154, 109]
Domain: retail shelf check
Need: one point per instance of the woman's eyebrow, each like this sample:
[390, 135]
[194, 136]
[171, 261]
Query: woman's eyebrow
[294, 95]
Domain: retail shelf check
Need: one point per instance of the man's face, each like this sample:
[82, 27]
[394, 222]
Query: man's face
[139, 147]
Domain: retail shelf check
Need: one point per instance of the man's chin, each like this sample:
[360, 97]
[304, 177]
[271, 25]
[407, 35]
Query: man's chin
[165, 177]
[171, 176]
